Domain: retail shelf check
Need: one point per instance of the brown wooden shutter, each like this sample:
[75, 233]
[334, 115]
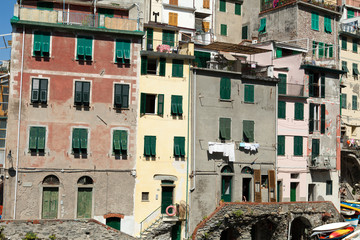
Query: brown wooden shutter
[257, 185]
[174, 2]
[173, 19]
[272, 192]
[206, 26]
[206, 4]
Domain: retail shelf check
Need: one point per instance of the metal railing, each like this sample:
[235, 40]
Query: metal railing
[151, 219]
[293, 89]
[350, 25]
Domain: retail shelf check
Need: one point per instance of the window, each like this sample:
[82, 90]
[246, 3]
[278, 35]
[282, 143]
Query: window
[222, 7]
[248, 131]
[316, 85]
[173, 19]
[120, 140]
[225, 88]
[344, 43]
[41, 44]
[223, 29]
[282, 109]
[237, 9]
[150, 146]
[148, 103]
[315, 148]
[327, 24]
[244, 32]
[45, 5]
[201, 59]
[82, 93]
[145, 196]
[149, 38]
[114, 222]
[176, 105]
[281, 146]
[205, 26]
[206, 4]
[122, 51]
[39, 90]
[355, 69]
[321, 49]
[350, 13]
[329, 187]
[314, 45]
[84, 48]
[179, 146]
[37, 139]
[282, 83]
[314, 21]
[168, 38]
[177, 68]
[79, 140]
[317, 121]
[264, 181]
[343, 100]
[299, 111]
[331, 51]
[148, 65]
[344, 66]
[225, 128]
[249, 93]
[354, 102]
[278, 52]
[262, 28]
[355, 46]
[162, 67]
[121, 96]
[298, 146]
[173, 2]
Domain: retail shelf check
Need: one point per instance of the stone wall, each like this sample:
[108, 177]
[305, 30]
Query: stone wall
[62, 229]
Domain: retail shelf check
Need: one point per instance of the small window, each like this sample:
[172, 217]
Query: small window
[315, 150]
[354, 102]
[298, 146]
[206, 4]
[150, 146]
[223, 29]
[344, 66]
[327, 24]
[355, 69]
[121, 96]
[249, 93]
[114, 222]
[225, 88]
[299, 111]
[350, 13]
[84, 48]
[145, 196]
[150, 64]
[173, 19]
[244, 32]
[177, 68]
[321, 50]
[82, 93]
[343, 100]
[314, 46]
[176, 105]
[262, 28]
[120, 142]
[222, 7]
[79, 140]
[331, 51]
[179, 146]
[355, 46]
[148, 103]
[344, 43]
[122, 51]
[85, 180]
[282, 109]
[294, 175]
[51, 180]
[41, 44]
[315, 21]
[281, 146]
[168, 38]
[225, 128]
[149, 39]
[282, 83]
[264, 181]
[329, 187]
[237, 9]
[39, 89]
[37, 139]
[162, 67]
[248, 131]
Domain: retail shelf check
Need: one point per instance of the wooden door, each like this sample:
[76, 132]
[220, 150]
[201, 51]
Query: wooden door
[226, 189]
[293, 192]
[166, 198]
[50, 202]
[271, 174]
[257, 185]
[113, 222]
[84, 203]
[176, 231]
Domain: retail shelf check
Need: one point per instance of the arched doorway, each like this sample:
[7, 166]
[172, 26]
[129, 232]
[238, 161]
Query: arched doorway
[246, 172]
[84, 198]
[229, 234]
[263, 230]
[226, 181]
[300, 229]
[50, 197]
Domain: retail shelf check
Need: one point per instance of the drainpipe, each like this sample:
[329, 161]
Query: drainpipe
[187, 162]
[194, 124]
[19, 120]
[276, 141]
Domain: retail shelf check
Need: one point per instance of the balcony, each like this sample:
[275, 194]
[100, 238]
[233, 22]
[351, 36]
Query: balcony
[350, 143]
[273, 4]
[157, 47]
[76, 19]
[322, 163]
[350, 25]
[292, 89]
[202, 38]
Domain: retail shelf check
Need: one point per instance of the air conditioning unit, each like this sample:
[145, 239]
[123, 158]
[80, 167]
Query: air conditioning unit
[254, 41]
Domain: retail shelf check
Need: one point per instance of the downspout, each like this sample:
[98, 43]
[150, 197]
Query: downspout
[187, 162]
[19, 120]
[276, 141]
[194, 127]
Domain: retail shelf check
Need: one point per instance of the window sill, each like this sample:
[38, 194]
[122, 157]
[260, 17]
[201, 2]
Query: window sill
[120, 108]
[145, 200]
[249, 102]
[39, 104]
[225, 100]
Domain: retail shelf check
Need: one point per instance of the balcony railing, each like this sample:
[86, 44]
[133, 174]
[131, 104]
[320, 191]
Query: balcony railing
[350, 25]
[77, 19]
[272, 4]
[292, 89]
[322, 162]
[183, 48]
[203, 38]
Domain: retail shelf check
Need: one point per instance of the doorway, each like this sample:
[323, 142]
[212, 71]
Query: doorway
[166, 198]
[50, 202]
[226, 188]
[293, 187]
[311, 192]
[246, 189]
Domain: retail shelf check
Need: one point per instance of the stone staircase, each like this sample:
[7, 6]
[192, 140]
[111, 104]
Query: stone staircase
[160, 229]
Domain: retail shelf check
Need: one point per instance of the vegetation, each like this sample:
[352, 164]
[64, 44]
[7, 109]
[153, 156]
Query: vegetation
[52, 237]
[2, 235]
[31, 236]
[238, 213]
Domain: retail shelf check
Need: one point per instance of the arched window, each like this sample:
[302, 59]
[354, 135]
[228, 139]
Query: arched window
[85, 180]
[247, 170]
[227, 169]
[51, 180]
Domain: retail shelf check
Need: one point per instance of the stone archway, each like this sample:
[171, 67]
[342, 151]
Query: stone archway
[230, 234]
[300, 228]
[263, 230]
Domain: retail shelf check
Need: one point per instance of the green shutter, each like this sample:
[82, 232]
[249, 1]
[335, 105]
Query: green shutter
[326, 50]
[143, 103]
[124, 140]
[35, 93]
[244, 32]
[322, 84]
[201, 59]
[278, 52]
[127, 49]
[182, 146]
[177, 68]
[160, 107]
[88, 48]
[344, 66]
[45, 48]
[168, 38]
[315, 148]
[33, 138]
[225, 128]
[299, 111]
[78, 93]
[237, 9]
[282, 109]
[176, 147]
[321, 49]
[315, 21]
[119, 54]
[37, 43]
[344, 43]
[350, 13]
[84, 203]
[179, 104]
[282, 83]
[76, 138]
[311, 118]
[125, 95]
[223, 29]
[174, 109]
[222, 7]
[355, 69]
[331, 51]
[327, 24]
[162, 67]
[117, 95]
[281, 145]
[298, 146]
[150, 36]
[41, 138]
[323, 113]
[144, 64]
[147, 146]
[225, 88]
[354, 102]
[355, 46]
[262, 28]
[248, 131]
[43, 90]
[86, 93]
[249, 94]
[311, 83]
[116, 141]
[83, 139]
[314, 44]
[153, 145]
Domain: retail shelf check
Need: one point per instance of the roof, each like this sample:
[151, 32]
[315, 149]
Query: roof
[234, 48]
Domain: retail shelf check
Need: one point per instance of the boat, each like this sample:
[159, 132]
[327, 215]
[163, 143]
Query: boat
[353, 221]
[354, 236]
[338, 234]
[348, 206]
[331, 227]
[347, 212]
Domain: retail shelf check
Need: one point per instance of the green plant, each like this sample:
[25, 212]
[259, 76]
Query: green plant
[206, 235]
[205, 217]
[2, 235]
[238, 213]
[30, 236]
[52, 237]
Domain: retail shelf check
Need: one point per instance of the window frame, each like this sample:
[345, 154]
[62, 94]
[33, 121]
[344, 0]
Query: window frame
[177, 68]
[262, 28]
[327, 24]
[283, 114]
[225, 89]
[115, 105]
[251, 122]
[297, 108]
[151, 141]
[157, 104]
[225, 125]
[176, 105]
[222, 5]
[249, 89]
[77, 48]
[87, 140]
[281, 140]
[343, 43]
[180, 142]
[355, 46]
[223, 30]
[298, 150]
[238, 9]
[39, 101]
[82, 93]
[118, 42]
[40, 32]
[355, 69]
[121, 151]
[354, 102]
[37, 150]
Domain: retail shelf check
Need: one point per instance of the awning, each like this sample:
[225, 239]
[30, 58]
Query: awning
[234, 48]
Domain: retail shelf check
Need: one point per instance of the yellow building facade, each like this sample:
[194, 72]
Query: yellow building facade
[162, 161]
